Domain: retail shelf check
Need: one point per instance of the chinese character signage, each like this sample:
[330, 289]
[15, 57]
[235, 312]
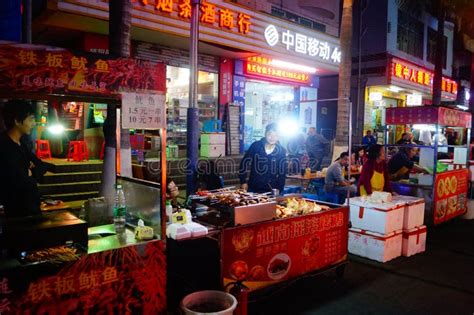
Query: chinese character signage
[428, 115]
[418, 77]
[143, 111]
[222, 23]
[42, 69]
[128, 280]
[210, 14]
[266, 253]
[317, 48]
[262, 67]
[450, 198]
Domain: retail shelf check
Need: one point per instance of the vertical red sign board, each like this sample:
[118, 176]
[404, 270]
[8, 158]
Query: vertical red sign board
[450, 198]
[225, 84]
[267, 253]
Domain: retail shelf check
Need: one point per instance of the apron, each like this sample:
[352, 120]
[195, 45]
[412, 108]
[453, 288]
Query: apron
[377, 182]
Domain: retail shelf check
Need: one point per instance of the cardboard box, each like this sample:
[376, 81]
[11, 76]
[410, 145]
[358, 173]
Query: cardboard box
[213, 138]
[375, 246]
[414, 213]
[212, 150]
[414, 241]
[381, 218]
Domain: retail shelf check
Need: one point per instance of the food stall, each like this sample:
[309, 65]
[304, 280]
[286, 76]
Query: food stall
[445, 188]
[56, 263]
[264, 241]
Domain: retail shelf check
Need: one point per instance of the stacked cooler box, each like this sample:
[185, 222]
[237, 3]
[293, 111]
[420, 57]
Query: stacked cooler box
[385, 231]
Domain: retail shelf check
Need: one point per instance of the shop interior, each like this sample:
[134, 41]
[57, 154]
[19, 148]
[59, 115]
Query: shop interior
[177, 100]
[266, 103]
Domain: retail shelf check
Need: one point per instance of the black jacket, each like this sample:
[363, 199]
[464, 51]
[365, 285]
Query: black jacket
[266, 171]
[18, 191]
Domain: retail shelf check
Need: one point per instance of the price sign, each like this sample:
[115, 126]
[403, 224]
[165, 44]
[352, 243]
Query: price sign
[143, 111]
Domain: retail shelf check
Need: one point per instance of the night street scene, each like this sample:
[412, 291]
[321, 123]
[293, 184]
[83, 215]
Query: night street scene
[188, 157]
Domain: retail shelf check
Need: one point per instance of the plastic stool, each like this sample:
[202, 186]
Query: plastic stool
[310, 196]
[43, 150]
[102, 151]
[77, 150]
[332, 197]
[291, 189]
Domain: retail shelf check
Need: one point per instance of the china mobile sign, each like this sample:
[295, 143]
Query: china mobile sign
[303, 44]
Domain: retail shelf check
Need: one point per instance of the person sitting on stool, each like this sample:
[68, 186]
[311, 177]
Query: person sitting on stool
[335, 181]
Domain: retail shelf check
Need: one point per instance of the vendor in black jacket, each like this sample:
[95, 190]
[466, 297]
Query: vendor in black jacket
[267, 162]
[19, 167]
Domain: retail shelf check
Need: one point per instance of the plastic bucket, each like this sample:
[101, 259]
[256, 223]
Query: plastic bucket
[209, 302]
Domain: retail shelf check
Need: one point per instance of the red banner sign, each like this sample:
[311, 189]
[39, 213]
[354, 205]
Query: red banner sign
[267, 253]
[428, 115]
[415, 75]
[33, 69]
[450, 198]
[129, 280]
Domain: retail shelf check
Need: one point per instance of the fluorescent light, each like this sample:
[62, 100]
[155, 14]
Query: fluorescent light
[424, 127]
[467, 95]
[462, 107]
[394, 88]
[375, 96]
[414, 99]
[288, 127]
[293, 66]
[56, 129]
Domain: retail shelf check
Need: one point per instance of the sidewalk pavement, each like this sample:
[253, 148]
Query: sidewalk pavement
[439, 281]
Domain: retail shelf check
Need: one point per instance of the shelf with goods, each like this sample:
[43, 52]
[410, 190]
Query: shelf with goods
[445, 186]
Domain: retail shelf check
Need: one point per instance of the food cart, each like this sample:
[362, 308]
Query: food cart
[262, 242]
[56, 263]
[445, 188]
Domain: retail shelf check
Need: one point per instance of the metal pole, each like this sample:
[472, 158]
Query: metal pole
[27, 20]
[193, 112]
[349, 149]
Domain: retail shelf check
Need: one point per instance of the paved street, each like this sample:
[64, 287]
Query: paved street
[439, 281]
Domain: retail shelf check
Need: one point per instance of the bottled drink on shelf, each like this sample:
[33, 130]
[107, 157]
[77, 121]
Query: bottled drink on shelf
[120, 209]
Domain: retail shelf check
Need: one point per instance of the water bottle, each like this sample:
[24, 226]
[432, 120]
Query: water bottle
[120, 209]
[169, 210]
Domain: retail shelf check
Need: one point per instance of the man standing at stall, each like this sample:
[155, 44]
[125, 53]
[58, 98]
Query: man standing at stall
[315, 146]
[266, 160]
[402, 163]
[18, 166]
[368, 139]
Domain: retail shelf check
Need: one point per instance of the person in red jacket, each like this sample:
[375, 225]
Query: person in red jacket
[374, 175]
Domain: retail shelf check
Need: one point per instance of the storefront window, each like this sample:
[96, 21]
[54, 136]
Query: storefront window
[266, 103]
[178, 101]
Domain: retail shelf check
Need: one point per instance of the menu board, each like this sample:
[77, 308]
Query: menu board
[450, 198]
[267, 253]
[143, 111]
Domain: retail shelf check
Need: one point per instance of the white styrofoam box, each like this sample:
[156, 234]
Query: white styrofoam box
[213, 138]
[414, 213]
[177, 231]
[469, 215]
[375, 246]
[381, 218]
[212, 150]
[197, 229]
[414, 241]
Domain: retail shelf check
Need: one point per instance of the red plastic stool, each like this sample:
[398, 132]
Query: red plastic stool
[102, 151]
[77, 150]
[43, 150]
